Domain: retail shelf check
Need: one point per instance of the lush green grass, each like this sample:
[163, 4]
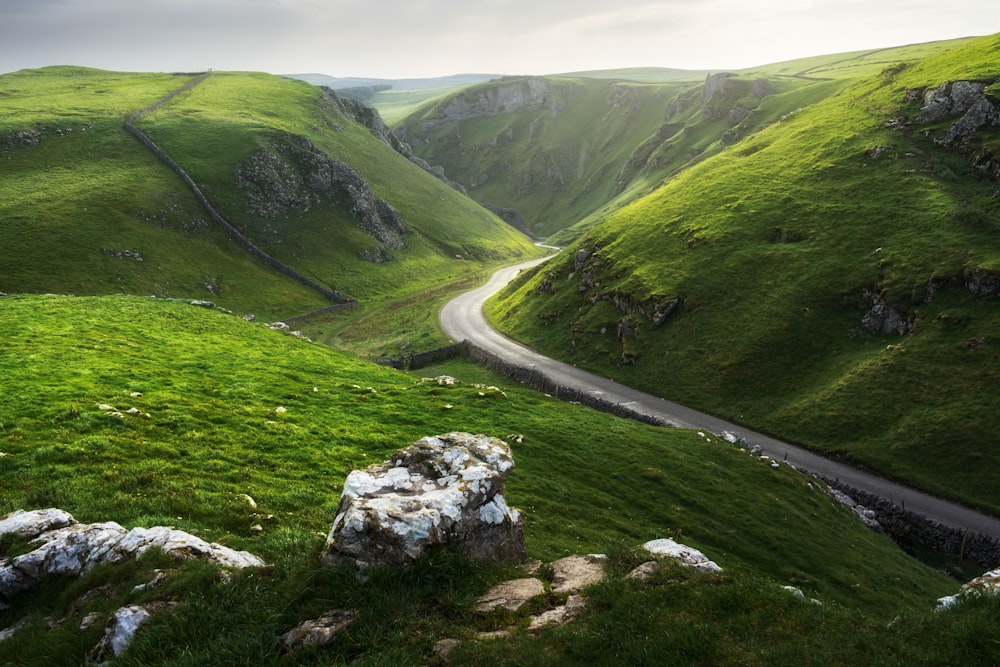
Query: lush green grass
[771, 244]
[76, 206]
[211, 384]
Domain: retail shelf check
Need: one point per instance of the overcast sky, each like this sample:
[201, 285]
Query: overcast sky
[417, 38]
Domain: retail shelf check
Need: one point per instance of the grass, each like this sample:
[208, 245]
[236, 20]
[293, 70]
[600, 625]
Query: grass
[124, 223]
[771, 244]
[211, 384]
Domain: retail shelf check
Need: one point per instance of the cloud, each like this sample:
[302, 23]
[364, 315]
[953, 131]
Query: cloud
[397, 38]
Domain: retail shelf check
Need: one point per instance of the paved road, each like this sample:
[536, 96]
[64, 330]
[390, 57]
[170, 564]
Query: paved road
[462, 319]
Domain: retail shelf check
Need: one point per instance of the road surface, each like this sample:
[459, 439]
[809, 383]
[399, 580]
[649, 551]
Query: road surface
[462, 319]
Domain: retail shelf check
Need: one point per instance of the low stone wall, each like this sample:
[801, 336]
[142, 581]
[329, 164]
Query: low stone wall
[411, 362]
[905, 526]
[234, 233]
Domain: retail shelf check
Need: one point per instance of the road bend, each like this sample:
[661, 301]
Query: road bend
[462, 319]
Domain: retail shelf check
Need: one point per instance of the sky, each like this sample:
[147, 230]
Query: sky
[425, 38]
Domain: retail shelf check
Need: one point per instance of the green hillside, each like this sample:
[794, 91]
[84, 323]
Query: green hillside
[87, 209]
[565, 150]
[212, 385]
[831, 279]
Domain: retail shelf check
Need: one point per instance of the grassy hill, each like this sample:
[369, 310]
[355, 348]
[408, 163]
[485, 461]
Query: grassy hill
[212, 384]
[591, 142]
[87, 209]
[818, 279]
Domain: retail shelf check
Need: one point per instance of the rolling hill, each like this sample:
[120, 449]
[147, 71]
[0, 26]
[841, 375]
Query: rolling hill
[226, 407]
[564, 150]
[87, 209]
[831, 278]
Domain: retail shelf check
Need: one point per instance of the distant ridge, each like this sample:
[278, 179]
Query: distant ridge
[450, 81]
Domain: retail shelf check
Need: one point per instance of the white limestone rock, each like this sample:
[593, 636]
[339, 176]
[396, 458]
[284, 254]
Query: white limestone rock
[572, 573]
[74, 548]
[445, 489]
[510, 595]
[985, 584]
[689, 556]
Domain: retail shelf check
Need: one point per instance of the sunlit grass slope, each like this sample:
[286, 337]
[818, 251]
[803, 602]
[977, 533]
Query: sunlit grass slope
[772, 245]
[231, 407]
[86, 209]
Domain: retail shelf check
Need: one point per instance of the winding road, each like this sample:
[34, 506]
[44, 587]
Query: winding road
[462, 320]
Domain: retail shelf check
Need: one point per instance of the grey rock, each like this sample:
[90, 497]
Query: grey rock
[882, 318]
[320, 631]
[76, 548]
[559, 615]
[689, 556]
[35, 522]
[571, 574]
[985, 584]
[510, 595]
[981, 282]
[10, 631]
[123, 625]
[644, 571]
[982, 114]
[445, 489]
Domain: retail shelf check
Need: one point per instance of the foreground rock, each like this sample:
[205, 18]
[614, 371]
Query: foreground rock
[988, 583]
[666, 548]
[65, 547]
[125, 622]
[572, 573]
[445, 489]
[319, 631]
[510, 595]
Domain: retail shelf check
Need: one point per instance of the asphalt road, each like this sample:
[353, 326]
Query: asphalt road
[462, 319]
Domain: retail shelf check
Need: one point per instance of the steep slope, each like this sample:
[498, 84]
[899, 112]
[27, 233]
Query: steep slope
[227, 407]
[88, 209]
[555, 150]
[832, 279]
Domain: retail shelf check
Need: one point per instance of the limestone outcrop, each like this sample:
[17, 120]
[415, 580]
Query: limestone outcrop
[296, 175]
[65, 547]
[988, 583]
[444, 489]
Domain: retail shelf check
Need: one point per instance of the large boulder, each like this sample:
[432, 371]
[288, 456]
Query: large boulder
[444, 489]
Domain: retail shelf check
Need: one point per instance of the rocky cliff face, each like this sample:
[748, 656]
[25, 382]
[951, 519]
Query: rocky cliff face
[509, 95]
[294, 174]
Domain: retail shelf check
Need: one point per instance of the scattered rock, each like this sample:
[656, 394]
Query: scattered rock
[559, 615]
[884, 319]
[124, 624]
[74, 548]
[686, 555]
[90, 620]
[981, 282]
[867, 516]
[445, 489]
[510, 595]
[444, 648]
[159, 576]
[9, 632]
[203, 304]
[985, 584]
[320, 631]
[571, 574]
[644, 572]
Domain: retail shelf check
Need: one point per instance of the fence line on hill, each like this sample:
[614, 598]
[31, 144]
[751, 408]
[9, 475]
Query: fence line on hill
[234, 233]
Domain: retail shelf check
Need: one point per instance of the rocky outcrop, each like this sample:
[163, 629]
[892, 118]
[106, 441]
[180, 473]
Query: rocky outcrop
[319, 631]
[498, 97]
[986, 584]
[20, 139]
[123, 626]
[727, 96]
[368, 116]
[688, 556]
[511, 216]
[981, 282]
[445, 489]
[64, 547]
[296, 175]
[882, 318]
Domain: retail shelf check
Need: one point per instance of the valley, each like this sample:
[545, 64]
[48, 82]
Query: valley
[805, 252]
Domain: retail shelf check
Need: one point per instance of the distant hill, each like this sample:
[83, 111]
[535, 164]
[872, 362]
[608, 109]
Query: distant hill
[833, 276]
[85, 208]
[564, 150]
[450, 81]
